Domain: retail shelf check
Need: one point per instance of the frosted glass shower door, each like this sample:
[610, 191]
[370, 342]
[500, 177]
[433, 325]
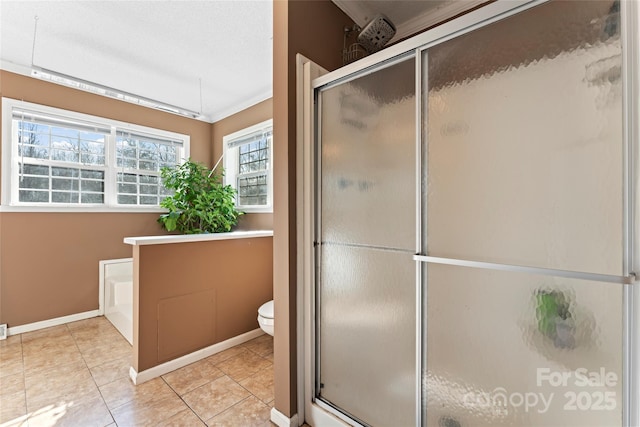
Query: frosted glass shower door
[523, 123]
[523, 218]
[366, 285]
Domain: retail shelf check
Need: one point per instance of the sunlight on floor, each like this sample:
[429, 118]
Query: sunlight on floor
[48, 416]
[77, 375]
[45, 417]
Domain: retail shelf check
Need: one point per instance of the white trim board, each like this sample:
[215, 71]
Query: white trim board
[187, 359]
[281, 420]
[186, 238]
[30, 327]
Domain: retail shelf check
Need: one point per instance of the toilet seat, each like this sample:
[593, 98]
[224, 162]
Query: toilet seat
[266, 310]
[265, 317]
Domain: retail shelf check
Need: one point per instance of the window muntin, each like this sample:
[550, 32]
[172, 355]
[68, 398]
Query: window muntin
[253, 167]
[59, 143]
[140, 189]
[59, 160]
[53, 157]
[146, 153]
[248, 166]
[51, 184]
[139, 159]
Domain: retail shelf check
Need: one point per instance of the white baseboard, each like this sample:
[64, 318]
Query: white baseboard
[30, 327]
[281, 420]
[172, 365]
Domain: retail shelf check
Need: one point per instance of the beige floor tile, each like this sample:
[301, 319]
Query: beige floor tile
[226, 354]
[106, 349]
[215, 397]
[110, 349]
[11, 343]
[53, 332]
[75, 374]
[65, 383]
[94, 324]
[61, 372]
[11, 340]
[13, 408]
[184, 418]
[17, 422]
[123, 391]
[90, 413]
[111, 371]
[251, 412]
[87, 338]
[53, 351]
[10, 384]
[10, 349]
[75, 390]
[50, 357]
[93, 330]
[36, 346]
[260, 384]
[142, 413]
[192, 376]
[11, 360]
[263, 345]
[63, 375]
[243, 365]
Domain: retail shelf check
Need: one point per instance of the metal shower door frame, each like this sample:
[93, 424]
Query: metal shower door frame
[416, 46]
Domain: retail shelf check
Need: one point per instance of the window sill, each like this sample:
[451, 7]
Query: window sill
[87, 209]
[249, 210]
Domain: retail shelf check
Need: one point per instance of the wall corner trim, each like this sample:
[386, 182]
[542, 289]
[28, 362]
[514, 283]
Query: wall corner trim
[187, 359]
[281, 420]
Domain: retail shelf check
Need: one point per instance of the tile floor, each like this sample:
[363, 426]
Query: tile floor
[77, 375]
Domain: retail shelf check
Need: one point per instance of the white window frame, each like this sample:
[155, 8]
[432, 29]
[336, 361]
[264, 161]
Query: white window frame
[9, 201]
[231, 156]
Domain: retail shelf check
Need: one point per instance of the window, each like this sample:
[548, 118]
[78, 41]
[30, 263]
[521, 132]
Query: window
[248, 166]
[58, 158]
[139, 159]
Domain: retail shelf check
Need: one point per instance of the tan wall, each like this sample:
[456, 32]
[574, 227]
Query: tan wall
[245, 118]
[193, 295]
[40, 92]
[315, 29]
[49, 263]
[50, 260]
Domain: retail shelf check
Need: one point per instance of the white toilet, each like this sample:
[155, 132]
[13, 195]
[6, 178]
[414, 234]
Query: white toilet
[265, 317]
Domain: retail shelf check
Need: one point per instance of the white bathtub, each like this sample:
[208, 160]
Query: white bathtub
[117, 280]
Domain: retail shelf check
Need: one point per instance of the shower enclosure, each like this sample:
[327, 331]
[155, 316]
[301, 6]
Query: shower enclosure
[473, 224]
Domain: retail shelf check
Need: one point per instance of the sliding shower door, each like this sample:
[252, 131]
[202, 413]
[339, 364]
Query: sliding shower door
[524, 191]
[366, 286]
[475, 225]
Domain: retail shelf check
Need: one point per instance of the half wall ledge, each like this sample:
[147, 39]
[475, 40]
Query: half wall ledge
[183, 238]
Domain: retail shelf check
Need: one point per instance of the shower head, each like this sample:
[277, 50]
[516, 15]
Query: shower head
[376, 33]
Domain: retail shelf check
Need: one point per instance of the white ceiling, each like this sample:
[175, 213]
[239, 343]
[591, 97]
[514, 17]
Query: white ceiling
[154, 49]
[213, 57]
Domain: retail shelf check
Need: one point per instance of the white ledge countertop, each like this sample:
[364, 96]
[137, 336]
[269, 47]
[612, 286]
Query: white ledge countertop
[186, 238]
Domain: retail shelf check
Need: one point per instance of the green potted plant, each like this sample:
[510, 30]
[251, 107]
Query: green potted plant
[200, 202]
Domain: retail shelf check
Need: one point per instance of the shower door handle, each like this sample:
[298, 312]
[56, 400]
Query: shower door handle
[609, 278]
